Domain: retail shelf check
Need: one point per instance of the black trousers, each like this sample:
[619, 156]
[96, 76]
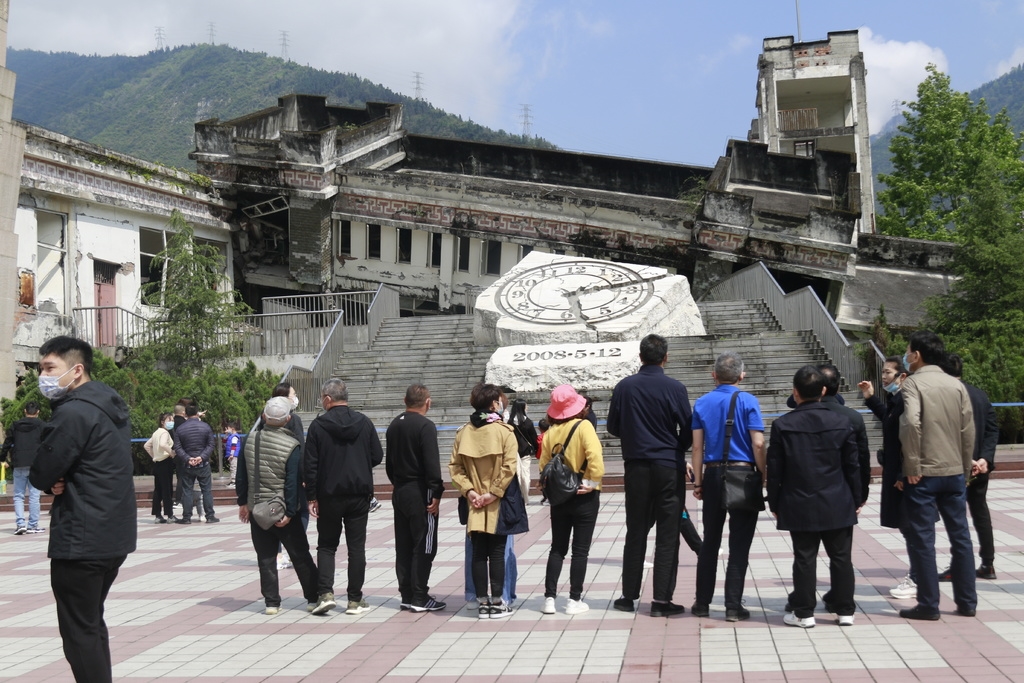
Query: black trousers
[488, 560]
[336, 513]
[80, 588]
[741, 533]
[839, 548]
[163, 472]
[650, 495]
[977, 502]
[415, 542]
[578, 517]
[293, 537]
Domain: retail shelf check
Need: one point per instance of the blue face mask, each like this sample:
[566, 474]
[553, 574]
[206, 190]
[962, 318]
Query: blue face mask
[169, 425]
[50, 386]
[906, 363]
[892, 388]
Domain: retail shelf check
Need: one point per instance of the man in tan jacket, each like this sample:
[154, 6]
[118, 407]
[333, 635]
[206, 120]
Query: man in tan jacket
[937, 435]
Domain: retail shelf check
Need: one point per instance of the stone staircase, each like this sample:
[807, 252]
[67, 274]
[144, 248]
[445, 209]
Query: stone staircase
[440, 353]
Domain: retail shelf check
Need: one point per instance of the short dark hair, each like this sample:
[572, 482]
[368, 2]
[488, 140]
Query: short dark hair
[808, 382]
[163, 418]
[191, 410]
[929, 345]
[897, 362]
[282, 389]
[543, 425]
[31, 408]
[416, 395]
[483, 395]
[954, 365]
[653, 349]
[831, 375]
[71, 350]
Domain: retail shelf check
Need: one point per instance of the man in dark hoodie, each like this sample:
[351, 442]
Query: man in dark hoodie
[22, 443]
[342, 448]
[85, 460]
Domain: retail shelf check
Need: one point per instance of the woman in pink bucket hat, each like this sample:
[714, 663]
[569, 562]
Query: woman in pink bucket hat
[577, 516]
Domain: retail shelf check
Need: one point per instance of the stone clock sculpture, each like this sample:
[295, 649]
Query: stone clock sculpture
[562, 319]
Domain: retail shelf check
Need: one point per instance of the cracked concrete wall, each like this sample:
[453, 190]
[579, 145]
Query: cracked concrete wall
[309, 241]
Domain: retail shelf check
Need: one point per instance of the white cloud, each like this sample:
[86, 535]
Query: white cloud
[464, 48]
[1016, 59]
[894, 71]
[709, 62]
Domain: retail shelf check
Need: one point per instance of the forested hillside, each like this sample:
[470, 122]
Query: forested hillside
[146, 105]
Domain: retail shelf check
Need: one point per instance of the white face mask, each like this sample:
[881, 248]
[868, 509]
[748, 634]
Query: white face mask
[50, 386]
[295, 402]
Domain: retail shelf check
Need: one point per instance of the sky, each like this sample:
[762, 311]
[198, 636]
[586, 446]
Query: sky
[669, 80]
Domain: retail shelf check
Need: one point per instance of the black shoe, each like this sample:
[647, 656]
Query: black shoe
[160, 520]
[919, 613]
[666, 609]
[946, 575]
[431, 605]
[967, 611]
[624, 605]
[741, 614]
[699, 610]
[212, 520]
[986, 571]
[183, 521]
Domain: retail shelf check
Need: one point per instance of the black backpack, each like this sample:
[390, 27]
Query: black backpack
[558, 481]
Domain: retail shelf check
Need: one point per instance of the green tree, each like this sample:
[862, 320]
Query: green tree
[944, 139]
[195, 328]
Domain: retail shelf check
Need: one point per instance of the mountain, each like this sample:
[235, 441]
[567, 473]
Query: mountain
[146, 106]
[1007, 92]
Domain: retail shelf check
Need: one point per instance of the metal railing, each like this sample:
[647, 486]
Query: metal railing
[270, 334]
[798, 119]
[307, 381]
[353, 304]
[799, 310]
[112, 326]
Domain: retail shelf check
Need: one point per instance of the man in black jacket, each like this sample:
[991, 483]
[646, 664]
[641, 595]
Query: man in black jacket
[414, 469]
[860, 431]
[85, 460]
[814, 490]
[22, 443]
[986, 438]
[342, 448]
[193, 448]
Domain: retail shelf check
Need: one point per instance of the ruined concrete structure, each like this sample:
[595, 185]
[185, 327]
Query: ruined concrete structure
[12, 140]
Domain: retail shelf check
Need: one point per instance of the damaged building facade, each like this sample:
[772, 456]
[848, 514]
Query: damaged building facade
[88, 223]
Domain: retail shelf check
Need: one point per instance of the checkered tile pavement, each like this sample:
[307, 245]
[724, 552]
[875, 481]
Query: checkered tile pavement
[187, 606]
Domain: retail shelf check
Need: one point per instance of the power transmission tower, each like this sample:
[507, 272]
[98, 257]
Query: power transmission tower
[897, 107]
[526, 120]
[159, 37]
[213, 33]
[417, 77]
[284, 46]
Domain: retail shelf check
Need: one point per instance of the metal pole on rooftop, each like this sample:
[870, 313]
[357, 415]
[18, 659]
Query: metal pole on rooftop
[799, 33]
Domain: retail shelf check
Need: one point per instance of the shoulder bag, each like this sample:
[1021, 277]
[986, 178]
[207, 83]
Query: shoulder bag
[560, 482]
[269, 512]
[741, 487]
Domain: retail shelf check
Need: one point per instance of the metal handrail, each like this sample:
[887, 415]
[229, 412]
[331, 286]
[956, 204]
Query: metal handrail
[799, 310]
[383, 306]
[107, 326]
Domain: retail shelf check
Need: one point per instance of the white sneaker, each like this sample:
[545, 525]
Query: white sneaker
[576, 607]
[549, 606]
[845, 620]
[793, 620]
[648, 565]
[904, 590]
[271, 611]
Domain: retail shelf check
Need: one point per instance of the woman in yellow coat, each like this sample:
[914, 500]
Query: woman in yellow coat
[578, 515]
[484, 460]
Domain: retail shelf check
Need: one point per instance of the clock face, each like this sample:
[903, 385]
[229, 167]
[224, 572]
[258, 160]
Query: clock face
[571, 292]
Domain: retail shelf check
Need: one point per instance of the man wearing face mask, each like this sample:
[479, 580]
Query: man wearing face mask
[891, 459]
[85, 460]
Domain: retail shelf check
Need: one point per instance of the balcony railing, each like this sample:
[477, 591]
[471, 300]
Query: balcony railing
[798, 119]
[111, 327]
[353, 304]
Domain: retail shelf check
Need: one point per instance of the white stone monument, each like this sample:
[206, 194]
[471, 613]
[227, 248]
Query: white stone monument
[570, 320]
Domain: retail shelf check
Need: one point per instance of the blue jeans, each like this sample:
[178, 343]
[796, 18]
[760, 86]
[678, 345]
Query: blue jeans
[948, 495]
[21, 484]
[189, 477]
[511, 572]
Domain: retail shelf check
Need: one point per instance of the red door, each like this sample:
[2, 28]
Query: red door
[106, 301]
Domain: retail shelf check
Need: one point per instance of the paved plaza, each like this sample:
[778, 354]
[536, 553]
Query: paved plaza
[187, 606]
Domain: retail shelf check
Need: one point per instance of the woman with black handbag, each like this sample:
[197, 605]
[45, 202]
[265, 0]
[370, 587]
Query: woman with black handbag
[526, 437]
[572, 437]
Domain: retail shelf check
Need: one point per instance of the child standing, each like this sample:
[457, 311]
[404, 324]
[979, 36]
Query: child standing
[232, 448]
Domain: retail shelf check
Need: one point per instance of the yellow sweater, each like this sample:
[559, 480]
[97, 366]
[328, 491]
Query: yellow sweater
[584, 446]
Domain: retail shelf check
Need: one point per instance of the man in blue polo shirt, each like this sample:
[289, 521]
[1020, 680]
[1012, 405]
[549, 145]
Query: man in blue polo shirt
[650, 413]
[747, 450]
